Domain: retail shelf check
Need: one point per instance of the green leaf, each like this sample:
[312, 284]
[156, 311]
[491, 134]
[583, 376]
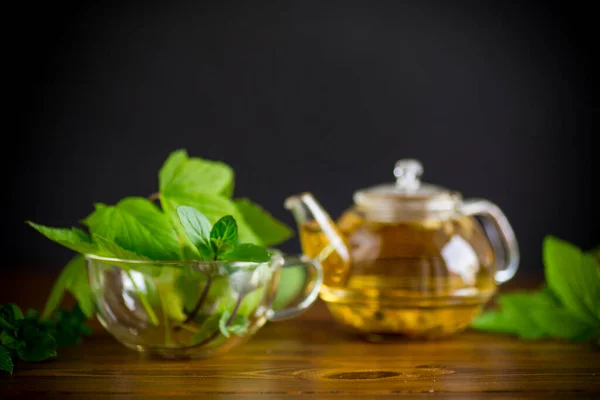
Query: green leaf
[494, 321]
[573, 276]
[247, 252]
[237, 326]
[223, 323]
[170, 168]
[213, 207]
[534, 315]
[9, 314]
[69, 326]
[560, 323]
[197, 228]
[190, 288]
[6, 363]
[251, 302]
[113, 250]
[208, 328]
[9, 341]
[224, 234]
[269, 230]
[137, 225]
[518, 307]
[147, 271]
[189, 176]
[74, 238]
[74, 279]
[39, 344]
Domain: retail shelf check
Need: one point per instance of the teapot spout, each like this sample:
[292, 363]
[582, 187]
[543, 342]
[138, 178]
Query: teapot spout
[320, 238]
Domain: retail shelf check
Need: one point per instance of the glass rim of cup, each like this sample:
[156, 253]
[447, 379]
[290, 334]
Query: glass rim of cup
[275, 256]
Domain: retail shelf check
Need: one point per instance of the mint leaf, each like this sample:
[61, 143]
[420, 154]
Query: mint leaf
[137, 225]
[238, 325]
[208, 328]
[73, 238]
[148, 271]
[213, 207]
[39, 344]
[224, 234]
[223, 323]
[181, 175]
[190, 288]
[170, 168]
[74, 279]
[68, 327]
[269, 230]
[9, 341]
[518, 308]
[494, 321]
[197, 228]
[6, 363]
[9, 314]
[573, 276]
[560, 323]
[534, 315]
[246, 252]
[112, 250]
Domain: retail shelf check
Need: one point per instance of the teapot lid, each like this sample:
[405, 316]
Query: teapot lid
[407, 198]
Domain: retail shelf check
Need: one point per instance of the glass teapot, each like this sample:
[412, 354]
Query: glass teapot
[409, 257]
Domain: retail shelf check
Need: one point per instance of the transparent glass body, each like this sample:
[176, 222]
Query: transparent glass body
[192, 309]
[419, 278]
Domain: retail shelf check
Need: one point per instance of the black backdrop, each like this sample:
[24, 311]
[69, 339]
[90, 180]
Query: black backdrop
[494, 99]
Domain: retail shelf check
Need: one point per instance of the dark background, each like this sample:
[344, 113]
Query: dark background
[494, 99]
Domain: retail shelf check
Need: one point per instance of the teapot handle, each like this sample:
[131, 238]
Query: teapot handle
[500, 234]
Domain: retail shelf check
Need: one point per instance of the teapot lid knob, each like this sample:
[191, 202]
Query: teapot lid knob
[408, 174]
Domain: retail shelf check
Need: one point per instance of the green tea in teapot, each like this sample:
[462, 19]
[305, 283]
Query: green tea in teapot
[416, 278]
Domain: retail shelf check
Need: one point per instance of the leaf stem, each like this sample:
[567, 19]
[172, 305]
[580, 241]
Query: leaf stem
[229, 320]
[154, 196]
[187, 328]
[143, 300]
[163, 305]
[200, 302]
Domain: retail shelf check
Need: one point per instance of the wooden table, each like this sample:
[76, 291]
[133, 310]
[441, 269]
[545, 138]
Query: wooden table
[309, 357]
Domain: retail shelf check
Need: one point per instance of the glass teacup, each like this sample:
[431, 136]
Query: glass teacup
[194, 308]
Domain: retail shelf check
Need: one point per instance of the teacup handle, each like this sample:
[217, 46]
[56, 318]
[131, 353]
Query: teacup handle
[316, 281]
[497, 229]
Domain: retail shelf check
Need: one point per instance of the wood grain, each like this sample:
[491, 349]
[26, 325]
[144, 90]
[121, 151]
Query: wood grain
[313, 358]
